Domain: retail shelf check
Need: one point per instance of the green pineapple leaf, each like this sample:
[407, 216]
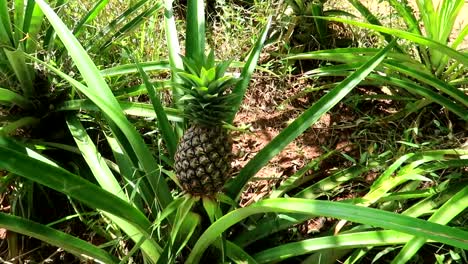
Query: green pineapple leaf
[208, 76]
[187, 97]
[190, 66]
[203, 91]
[191, 79]
[222, 67]
[209, 61]
[221, 84]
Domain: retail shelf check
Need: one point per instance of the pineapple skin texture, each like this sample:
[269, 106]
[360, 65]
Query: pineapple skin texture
[203, 159]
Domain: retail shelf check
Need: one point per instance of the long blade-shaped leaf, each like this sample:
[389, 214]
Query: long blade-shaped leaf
[148, 163]
[23, 71]
[269, 225]
[443, 215]
[32, 25]
[99, 92]
[458, 109]
[97, 164]
[406, 12]
[303, 122]
[343, 241]
[462, 58]
[6, 33]
[131, 68]
[248, 69]
[98, 6]
[57, 238]
[165, 127]
[432, 81]
[371, 18]
[237, 254]
[106, 31]
[130, 26]
[358, 214]
[171, 36]
[8, 97]
[106, 179]
[461, 37]
[11, 127]
[129, 108]
[195, 35]
[46, 173]
[18, 21]
[350, 56]
[174, 55]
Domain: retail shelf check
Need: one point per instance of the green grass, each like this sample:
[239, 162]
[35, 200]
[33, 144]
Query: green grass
[388, 178]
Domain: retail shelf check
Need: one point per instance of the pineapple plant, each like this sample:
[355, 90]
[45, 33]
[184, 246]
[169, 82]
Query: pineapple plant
[204, 153]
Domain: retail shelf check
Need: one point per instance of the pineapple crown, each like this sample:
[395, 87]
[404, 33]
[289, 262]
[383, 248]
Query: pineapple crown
[206, 98]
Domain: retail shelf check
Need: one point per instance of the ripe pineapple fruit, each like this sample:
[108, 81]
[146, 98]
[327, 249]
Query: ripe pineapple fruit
[203, 156]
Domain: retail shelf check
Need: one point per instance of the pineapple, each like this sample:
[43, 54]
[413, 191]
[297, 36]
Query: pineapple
[204, 154]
